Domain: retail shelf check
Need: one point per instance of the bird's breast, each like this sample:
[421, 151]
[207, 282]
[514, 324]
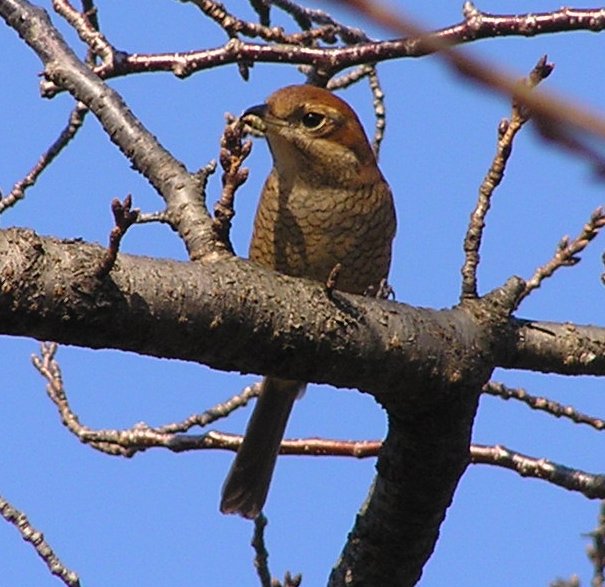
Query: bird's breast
[304, 231]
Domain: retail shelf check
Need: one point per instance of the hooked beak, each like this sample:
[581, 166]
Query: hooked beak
[254, 117]
[260, 110]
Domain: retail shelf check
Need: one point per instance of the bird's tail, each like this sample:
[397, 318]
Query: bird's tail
[247, 484]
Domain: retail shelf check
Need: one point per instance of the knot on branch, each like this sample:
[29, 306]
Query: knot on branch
[504, 300]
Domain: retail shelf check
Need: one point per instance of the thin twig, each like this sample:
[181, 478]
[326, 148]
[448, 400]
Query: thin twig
[380, 112]
[543, 404]
[349, 78]
[590, 485]
[261, 556]
[234, 26]
[148, 217]
[90, 13]
[507, 131]
[36, 539]
[74, 122]
[567, 252]
[233, 154]
[130, 441]
[142, 437]
[263, 9]
[305, 17]
[213, 414]
[124, 218]
[87, 30]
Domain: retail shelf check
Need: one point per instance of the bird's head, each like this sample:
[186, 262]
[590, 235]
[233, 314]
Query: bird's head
[314, 136]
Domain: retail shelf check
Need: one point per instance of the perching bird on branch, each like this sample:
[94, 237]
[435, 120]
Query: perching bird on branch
[325, 203]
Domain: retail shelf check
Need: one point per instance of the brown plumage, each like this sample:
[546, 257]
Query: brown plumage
[324, 202]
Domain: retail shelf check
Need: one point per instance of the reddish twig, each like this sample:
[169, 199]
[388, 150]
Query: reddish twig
[363, 51]
[507, 131]
[130, 441]
[36, 539]
[142, 437]
[124, 218]
[76, 118]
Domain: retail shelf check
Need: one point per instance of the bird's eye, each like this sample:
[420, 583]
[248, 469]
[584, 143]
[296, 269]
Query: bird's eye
[313, 120]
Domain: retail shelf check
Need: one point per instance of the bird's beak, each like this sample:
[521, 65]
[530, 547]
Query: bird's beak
[254, 117]
[259, 110]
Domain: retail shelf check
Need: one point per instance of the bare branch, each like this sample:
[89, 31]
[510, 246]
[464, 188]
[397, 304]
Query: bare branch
[147, 217]
[590, 485]
[553, 116]
[552, 347]
[87, 30]
[379, 110]
[260, 302]
[213, 414]
[305, 17]
[235, 26]
[263, 9]
[76, 118]
[139, 438]
[234, 151]
[142, 437]
[566, 253]
[36, 539]
[543, 404]
[180, 189]
[261, 556]
[506, 135]
[124, 218]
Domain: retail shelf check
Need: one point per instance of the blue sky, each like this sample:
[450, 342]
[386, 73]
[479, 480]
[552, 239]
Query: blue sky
[153, 520]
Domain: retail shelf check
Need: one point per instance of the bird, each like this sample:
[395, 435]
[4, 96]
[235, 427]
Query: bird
[324, 204]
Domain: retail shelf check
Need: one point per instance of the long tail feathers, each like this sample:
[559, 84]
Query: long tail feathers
[247, 484]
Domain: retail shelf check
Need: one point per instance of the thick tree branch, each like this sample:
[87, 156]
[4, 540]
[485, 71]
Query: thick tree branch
[213, 314]
[426, 367]
[552, 347]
